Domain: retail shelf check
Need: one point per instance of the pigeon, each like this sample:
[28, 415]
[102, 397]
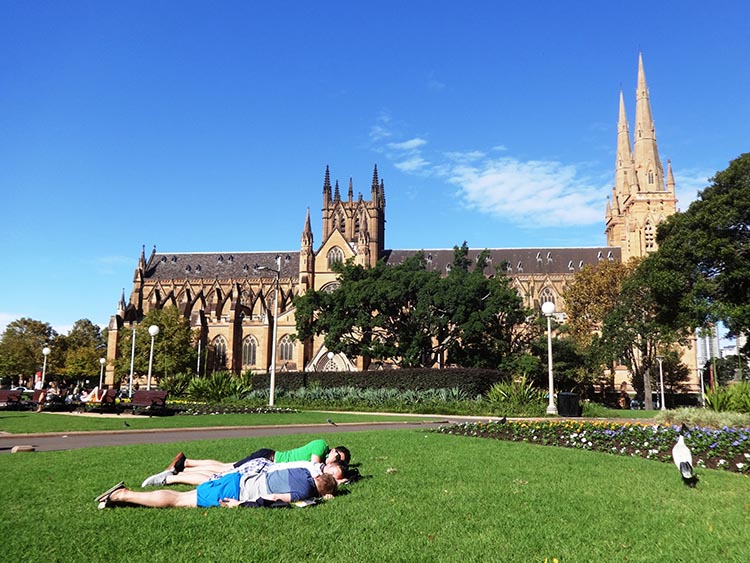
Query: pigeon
[329, 421]
[683, 459]
[125, 423]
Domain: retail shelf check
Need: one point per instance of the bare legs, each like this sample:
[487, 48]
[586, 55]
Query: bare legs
[208, 465]
[157, 499]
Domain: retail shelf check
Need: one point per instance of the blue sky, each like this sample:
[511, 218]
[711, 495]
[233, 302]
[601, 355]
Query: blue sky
[198, 126]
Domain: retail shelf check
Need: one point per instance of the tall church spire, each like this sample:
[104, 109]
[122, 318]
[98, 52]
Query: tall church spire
[646, 155]
[624, 172]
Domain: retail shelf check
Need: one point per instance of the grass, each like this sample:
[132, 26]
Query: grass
[16, 422]
[426, 497]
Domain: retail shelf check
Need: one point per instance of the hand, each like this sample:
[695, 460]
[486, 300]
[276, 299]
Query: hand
[329, 496]
[229, 502]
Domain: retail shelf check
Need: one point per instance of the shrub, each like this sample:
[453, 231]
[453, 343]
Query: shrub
[219, 386]
[516, 397]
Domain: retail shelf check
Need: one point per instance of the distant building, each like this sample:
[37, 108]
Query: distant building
[231, 303]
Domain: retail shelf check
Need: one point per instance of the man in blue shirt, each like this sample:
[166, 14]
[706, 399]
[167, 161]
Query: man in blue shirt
[233, 489]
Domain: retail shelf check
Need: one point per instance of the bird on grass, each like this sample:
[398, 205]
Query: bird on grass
[329, 421]
[125, 423]
[683, 459]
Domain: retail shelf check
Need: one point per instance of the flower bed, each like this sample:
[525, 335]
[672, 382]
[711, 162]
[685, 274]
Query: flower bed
[723, 448]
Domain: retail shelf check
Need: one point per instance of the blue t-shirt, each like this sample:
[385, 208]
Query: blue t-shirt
[296, 481]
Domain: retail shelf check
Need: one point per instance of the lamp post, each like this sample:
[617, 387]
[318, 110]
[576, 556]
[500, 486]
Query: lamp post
[277, 272]
[45, 353]
[548, 309]
[132, 361]
[102, 361]
[153, 330]
[661, 382]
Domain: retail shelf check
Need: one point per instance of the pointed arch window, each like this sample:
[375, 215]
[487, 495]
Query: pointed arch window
[286, 349]
[649, 236]
[335, 255]
[546, 295]
[356, 226]
[249, 351]
[220, 352]
[342, 224]
[650, 176]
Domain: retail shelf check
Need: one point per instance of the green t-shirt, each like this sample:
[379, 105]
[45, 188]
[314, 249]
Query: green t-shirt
[304, 453]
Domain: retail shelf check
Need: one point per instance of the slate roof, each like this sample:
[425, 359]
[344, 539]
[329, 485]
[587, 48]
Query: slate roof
[520, 260]
[220, 265]
[234, 265]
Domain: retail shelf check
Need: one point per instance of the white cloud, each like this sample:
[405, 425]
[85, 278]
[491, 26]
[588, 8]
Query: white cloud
[410, 145]
[532, 193]
[413, 164]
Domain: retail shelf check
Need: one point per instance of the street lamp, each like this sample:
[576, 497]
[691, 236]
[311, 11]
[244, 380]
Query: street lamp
[132, 361]
[102, 361]
[661, 381]
[277, 272]
[153, 330]
[548, 309]
[45, 353]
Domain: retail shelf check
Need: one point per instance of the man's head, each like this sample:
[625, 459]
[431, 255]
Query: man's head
[339, 453]
[335, 468]
[326, 484]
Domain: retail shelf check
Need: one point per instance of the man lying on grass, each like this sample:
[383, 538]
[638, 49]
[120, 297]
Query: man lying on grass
[186, 471]
[268, 483]
[198, 477]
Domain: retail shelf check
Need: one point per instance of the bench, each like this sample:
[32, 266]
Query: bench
[151, 401]
[10, 399]
[107, 403]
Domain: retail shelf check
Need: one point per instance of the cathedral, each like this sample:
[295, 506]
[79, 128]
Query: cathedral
[233, 300]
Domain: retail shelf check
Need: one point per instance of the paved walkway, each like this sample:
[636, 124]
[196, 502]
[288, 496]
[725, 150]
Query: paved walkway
[76, 440]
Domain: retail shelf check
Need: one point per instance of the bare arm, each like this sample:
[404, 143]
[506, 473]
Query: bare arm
[285, 497]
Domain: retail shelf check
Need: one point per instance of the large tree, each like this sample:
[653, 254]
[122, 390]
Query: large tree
[85, 345]
[706, 250]
[592, 294]
[21, 347]
[413, 316]
[636, 330]
[174, 346]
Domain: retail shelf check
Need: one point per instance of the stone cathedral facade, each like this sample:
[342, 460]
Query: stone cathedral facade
[230, 302]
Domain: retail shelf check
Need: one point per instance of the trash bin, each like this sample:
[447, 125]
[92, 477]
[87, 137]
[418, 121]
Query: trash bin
[567, 404]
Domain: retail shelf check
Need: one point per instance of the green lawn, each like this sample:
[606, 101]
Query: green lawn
[427, 497]
[22, 422]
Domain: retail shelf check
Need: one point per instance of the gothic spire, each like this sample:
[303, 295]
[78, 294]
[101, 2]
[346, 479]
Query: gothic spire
[307, 234]
[336, 194]
[375, 183]
[646, 154]
[670, 177]
[351, 189]
[327, 188]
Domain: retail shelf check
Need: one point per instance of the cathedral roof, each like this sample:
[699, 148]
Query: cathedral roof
[234, 265]
[519, 260]
[220, 265]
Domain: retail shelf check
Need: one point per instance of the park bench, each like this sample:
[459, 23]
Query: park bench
[155, 402]
[10, 399]
[107, 404]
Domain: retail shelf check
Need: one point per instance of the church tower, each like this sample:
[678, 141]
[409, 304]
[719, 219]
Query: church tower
[640, 198]
[361, 222]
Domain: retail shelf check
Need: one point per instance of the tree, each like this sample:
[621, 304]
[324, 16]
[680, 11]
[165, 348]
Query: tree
[174, 346]
[84, 346]
[413, 316]
[592, 294]
[636, 331]
[706, 250]
[21, 348]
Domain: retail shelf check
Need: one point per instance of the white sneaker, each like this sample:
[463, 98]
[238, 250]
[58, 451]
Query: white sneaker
[156, 480]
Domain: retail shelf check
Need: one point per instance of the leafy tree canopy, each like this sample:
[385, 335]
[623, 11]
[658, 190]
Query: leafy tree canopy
[413, 316]
[706, 250]
[21, 348]
[174, 346]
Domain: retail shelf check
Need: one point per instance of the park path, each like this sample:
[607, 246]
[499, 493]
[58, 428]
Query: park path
[76, 440]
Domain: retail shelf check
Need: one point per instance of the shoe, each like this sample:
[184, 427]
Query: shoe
[178, 464]
[103, 499]
[157, 480]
